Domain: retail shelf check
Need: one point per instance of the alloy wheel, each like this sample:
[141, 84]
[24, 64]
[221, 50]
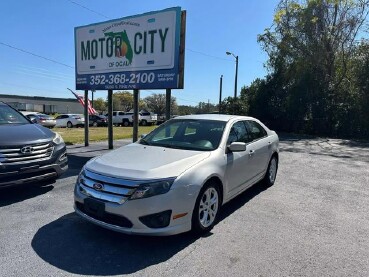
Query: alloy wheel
[208, 208]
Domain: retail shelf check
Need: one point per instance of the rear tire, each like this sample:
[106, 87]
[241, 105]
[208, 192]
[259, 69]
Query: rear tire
[94, 124]
[271, 173]
[206, 209]
[69, 124]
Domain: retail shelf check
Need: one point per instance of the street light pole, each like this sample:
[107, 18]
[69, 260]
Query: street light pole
[235, 80]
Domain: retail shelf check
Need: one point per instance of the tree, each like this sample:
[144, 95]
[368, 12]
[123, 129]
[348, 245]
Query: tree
[157, 103]
[100, 104]
[310, 48]
[123, 101]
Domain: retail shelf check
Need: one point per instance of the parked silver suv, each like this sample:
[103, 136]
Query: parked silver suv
[177, 178]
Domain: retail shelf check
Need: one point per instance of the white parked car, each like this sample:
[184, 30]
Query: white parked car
[177, 177]
[70, 120]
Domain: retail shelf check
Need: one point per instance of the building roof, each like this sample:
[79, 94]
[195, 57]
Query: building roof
[39, 98]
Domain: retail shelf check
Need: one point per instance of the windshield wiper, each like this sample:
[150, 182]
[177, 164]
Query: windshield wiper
[144, 142]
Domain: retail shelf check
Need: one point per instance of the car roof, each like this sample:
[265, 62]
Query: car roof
[218, 117]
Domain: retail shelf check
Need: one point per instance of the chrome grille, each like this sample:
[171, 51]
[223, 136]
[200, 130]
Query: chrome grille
[26, 153]
[114, 190]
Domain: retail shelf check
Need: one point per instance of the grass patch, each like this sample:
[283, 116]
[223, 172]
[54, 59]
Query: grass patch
[77, 135]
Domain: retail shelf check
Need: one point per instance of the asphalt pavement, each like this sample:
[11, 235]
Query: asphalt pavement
[313, 222]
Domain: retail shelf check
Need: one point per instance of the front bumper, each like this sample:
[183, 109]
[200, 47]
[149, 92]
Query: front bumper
[35, 171]
[179, 201]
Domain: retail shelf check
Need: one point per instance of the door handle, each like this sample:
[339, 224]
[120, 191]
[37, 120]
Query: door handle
[251, 152]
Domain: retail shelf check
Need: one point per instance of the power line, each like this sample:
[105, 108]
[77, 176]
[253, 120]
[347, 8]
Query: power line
[86, 8]
[36, 55]
[210, 56]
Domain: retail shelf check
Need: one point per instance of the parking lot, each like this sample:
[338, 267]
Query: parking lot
[313, 222]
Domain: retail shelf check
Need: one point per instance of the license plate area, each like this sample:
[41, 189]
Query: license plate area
[94, 207]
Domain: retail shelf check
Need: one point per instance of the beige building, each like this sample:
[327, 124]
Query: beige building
[43, 104]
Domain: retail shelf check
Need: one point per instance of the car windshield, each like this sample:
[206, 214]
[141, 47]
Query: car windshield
[10, 116]
[189, 134]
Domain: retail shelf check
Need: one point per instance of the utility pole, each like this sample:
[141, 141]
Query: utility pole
[220, 94]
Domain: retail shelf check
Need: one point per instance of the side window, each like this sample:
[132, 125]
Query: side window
[58, 117]
[256, 130]
[114, 113]
[121, 113]
[238, 133]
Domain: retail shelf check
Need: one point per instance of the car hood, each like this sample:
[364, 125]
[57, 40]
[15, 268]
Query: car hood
[19, 134]
[136, 161]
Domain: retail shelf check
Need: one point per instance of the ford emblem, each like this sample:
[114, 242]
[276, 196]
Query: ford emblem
[98, 186]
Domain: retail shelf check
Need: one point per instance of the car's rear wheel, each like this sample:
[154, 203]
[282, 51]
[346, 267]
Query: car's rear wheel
[206, 209]
[271, 173]
[94, 124]
[69, 124]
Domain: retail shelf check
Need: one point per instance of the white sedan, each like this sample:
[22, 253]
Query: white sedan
[176, 178]
[70, 120]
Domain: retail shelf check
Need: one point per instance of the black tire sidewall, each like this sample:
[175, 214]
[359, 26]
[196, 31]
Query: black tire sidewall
[196, 225]
[266, 178]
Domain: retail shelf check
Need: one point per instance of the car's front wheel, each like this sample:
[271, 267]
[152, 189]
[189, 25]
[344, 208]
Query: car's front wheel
[206, 209]
[271, 173]
[69, 124]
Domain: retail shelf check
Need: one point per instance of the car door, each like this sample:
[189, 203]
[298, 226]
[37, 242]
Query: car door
[259, 148]
[237, 171]
[58, 121]
[64, 119]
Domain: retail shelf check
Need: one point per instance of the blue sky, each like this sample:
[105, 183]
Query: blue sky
[46, 28]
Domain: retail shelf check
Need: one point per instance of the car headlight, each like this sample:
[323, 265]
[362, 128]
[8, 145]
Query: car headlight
[153, 188]
[58, 139]
[81, 176]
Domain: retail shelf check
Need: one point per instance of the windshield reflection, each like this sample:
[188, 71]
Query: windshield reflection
[189, 134]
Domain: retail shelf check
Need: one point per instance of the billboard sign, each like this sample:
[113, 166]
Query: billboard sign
[136, 52]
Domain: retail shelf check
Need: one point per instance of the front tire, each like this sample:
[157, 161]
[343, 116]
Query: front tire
[206, 209]
[271, 173]
[125, 123]
[69, 124]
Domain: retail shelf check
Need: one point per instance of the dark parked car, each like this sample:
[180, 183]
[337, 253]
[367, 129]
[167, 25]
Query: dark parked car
[28, 152]
[97, 120]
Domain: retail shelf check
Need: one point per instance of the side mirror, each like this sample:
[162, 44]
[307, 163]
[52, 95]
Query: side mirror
[237, 147]
[143, 136]
[34, 120]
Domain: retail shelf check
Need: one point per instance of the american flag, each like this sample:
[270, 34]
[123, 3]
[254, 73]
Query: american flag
[81, 100]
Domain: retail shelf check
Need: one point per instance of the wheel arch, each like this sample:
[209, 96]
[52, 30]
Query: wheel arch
[217, 181]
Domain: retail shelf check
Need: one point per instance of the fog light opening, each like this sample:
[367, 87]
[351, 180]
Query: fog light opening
[158, 220]
[63, 157]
